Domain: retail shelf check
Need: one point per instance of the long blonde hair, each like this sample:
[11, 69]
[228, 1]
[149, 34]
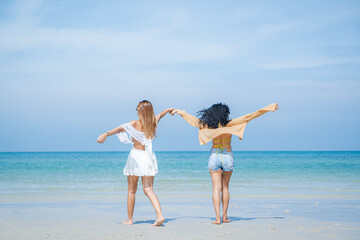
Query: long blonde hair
[147, 118]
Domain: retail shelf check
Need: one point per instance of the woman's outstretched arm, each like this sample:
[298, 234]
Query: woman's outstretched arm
[248, 117]
[163, 113]
[103, 136]
[193, 121]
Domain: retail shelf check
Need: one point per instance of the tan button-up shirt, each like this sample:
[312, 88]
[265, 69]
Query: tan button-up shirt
[235, 126]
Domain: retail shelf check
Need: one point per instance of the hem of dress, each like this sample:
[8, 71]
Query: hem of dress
[140, 175]
[130, 174]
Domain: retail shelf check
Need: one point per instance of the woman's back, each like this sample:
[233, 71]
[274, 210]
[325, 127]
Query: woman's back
[141, 161]
[223, 141]
[137, 125]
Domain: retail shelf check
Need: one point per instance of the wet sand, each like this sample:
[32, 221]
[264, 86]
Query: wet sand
[186, 218]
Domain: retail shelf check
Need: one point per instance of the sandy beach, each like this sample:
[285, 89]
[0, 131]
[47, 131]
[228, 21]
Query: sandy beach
[186, 218]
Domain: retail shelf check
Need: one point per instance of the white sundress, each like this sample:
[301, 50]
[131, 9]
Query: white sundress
[139, 162]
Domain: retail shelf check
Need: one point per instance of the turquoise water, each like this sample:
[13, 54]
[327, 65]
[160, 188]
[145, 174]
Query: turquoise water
[257, 174]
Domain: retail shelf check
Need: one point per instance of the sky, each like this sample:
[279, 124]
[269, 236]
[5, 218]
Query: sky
[71, 70]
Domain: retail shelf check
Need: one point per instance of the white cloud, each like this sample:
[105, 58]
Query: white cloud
[170, 40]
[307, 62]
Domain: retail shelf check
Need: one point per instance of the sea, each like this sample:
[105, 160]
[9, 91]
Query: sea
[257, 175]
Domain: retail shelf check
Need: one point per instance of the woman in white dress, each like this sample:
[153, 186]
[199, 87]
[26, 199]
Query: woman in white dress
[141, 160]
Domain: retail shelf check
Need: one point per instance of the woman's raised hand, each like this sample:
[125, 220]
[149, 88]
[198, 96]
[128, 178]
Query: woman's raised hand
[173, 111]
[102, 138]
[277, 107]
[163, 113]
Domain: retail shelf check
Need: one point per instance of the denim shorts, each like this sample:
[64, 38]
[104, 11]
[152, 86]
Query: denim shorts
[221, 159]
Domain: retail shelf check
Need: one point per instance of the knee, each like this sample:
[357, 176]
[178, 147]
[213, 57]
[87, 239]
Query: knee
[217, 188]
[147, 191]
[132, 190]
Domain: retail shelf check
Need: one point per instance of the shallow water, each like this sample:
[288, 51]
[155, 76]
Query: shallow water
[257, 174]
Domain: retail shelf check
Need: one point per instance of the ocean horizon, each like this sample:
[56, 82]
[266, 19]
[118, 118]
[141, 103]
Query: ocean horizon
[185, 151]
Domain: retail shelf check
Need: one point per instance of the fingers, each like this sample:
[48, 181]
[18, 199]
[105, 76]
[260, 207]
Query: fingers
[169, 110]
[100, 139]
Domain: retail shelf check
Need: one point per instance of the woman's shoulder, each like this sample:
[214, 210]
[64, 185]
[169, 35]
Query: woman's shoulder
[136, 124]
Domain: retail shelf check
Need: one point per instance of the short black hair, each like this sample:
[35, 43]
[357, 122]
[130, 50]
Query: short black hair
[212, 117]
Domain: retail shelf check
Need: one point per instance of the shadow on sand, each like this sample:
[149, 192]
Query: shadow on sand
[247, 219]
[233, 219]
[153, 220]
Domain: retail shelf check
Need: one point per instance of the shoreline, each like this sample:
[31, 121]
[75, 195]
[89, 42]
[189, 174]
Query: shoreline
[185, 219]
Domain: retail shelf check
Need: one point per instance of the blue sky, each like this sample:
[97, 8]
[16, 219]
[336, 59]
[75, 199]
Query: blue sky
[70, 70]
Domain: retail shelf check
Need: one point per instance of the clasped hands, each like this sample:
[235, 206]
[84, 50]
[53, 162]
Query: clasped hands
[173, 111]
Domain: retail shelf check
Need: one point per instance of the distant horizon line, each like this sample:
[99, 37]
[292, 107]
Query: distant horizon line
[184, 151]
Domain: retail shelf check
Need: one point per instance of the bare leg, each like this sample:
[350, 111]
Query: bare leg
[148, 182]
[132, 187]
[216, 178]
[225, 194]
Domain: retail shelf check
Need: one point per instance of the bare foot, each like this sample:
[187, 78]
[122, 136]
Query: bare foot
[217, 221]
[226, 220]
[128, 222]
[159, 221]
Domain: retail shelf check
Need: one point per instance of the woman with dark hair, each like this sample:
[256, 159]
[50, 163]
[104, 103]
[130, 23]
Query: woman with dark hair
[214, 124]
